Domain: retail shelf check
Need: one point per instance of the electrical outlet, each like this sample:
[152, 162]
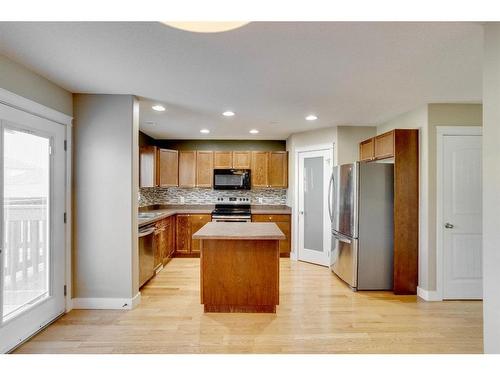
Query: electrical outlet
[182, 200]
[261, 200]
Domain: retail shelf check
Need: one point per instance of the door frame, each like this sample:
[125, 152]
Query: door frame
[20, 103]
[330, 147]
[441, 132]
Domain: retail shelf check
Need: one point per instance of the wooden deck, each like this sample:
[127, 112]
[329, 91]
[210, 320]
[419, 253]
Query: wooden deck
[317, 314]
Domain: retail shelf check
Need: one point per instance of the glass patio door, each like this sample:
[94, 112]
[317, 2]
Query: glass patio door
[32, 205]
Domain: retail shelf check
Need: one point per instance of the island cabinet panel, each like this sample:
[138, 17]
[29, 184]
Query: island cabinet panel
[187, 168]
[168, 161]
[384, 145]
[260, 165]
[183, 234]
[204, 168]
[283, 222]
[367, 150]
[196, 223]
[148, 169]
[278, 169]
[223, 159]
[242, 159]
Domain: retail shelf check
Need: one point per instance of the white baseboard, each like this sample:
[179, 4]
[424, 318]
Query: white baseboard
[106, 303]
[429, 295]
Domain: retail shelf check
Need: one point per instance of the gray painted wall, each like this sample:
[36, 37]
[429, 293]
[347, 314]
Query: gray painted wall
[105, 196]
[348, 139]
[22, 81]
[491, 188]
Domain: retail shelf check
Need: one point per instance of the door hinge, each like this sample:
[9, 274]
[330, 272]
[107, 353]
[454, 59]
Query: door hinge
[65, 145]
[65, 218]
[65, 291]
[50, 150]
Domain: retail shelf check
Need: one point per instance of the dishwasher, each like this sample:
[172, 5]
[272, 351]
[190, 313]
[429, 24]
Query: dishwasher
[146, 254]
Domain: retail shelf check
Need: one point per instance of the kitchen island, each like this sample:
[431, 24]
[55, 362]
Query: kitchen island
[239, 266]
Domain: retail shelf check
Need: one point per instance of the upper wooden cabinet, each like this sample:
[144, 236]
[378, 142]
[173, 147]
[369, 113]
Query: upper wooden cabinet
[278, 169]
[223, 159]
[367, 150]
[148, 171]
[168, 161]
[269, 169]
[242, 159]
[384, 145]
[204, 168]
[187, 168]
[260, 165]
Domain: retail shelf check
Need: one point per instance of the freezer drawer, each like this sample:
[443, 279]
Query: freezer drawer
[344, 258]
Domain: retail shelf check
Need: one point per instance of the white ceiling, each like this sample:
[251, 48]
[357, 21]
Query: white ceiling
[271, 74]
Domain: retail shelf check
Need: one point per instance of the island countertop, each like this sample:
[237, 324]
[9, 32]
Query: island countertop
[239, 231]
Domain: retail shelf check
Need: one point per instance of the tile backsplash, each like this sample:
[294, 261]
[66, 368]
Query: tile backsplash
[174, 195]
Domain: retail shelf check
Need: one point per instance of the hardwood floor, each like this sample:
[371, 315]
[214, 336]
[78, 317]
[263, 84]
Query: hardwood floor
[317, 314]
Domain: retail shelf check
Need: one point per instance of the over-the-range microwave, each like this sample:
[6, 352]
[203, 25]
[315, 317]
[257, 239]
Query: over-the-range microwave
[232, 179]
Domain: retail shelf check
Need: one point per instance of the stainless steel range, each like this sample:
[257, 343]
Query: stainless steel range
[232, 209]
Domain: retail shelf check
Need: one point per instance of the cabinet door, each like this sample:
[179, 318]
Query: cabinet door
[278, 169]
[183, 234]
[197, 222]
[204, 168]
[168, 167]
[384, 145]
[242, 159]
[158, 248]
[170, 236]
[223, 159]
[285, 244]
[260, 161]
[148, 166]
[367, 150]
[187, 168]
[283, 222]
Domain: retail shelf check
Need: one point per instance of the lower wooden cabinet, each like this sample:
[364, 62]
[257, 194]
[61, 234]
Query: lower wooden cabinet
[283, 222]
[164, 241]
[187, 224]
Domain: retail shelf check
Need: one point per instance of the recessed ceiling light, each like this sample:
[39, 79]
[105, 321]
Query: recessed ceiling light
[254, 131]
[158, 108]
[228, 113]
[311, 117]
[204, 131]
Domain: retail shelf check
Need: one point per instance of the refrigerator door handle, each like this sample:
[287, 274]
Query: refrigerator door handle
[330, 185]
[341, 238]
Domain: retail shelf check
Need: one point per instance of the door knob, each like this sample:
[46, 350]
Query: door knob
[302, 212]
[448, 226]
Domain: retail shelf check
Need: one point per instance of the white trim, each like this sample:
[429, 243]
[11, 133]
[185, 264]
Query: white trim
[69, 224]
[441, 132]
[428, 295]
[295, 206]
[106, 303]
[27, 105]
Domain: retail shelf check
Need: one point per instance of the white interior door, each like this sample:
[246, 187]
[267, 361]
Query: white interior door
[32, 206]
[315, 168]
[462, 217]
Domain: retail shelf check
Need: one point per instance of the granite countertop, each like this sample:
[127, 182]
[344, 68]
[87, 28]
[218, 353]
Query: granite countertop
[239, 231]
[164, 211]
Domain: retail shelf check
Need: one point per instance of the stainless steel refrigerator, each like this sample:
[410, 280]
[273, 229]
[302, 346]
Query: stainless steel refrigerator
[361, 210]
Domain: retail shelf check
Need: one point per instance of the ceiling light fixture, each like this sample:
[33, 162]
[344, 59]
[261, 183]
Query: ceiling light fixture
[204, 131]
[206, 27]
[228, 113]
[159, 108]
[311, 117]
[254, 131]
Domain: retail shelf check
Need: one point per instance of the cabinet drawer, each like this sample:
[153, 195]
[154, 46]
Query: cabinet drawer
[271, 218]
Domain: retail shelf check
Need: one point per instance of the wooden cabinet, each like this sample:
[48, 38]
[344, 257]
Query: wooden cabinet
[384, 145]
[223, 159]
[242, 159]
[259, 172]
[367, 150]
[187, 168]
[196, 222]
[187, 224]
[283, 222]
[402, 145]
[204, 168]
[278, 169]
[168, 166]
[148, 171]
[269, 169]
